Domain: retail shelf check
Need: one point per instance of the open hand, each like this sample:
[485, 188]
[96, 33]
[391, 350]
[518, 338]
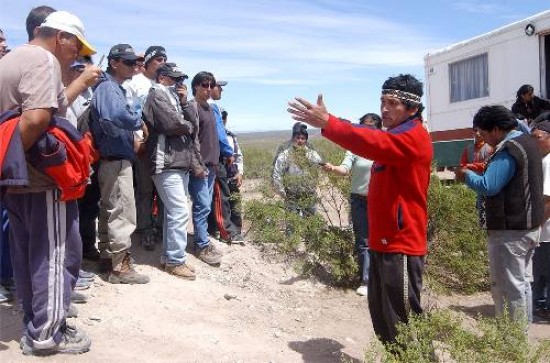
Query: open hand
[314, 114]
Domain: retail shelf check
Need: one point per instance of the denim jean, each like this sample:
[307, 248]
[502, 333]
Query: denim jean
[510, 267]
[360, 224]
[200, 191]
[171, 186]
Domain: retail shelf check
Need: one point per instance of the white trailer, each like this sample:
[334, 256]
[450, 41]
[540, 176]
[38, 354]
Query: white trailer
[484, 70]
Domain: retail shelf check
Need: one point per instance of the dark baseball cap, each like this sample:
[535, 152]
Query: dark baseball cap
[221, 83]
[170, 71]
[123, 51]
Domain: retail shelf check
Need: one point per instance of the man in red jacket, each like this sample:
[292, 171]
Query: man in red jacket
[397, 195]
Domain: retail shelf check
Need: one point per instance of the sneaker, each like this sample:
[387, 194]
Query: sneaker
[184, 271]
[238, 239]
[362, 290]
[5, 294]
[86, 275]
[127, 273]
[72, 341]
[78, 298]
[72, 312]
[82, 284]
[210, 255]
[148, 242]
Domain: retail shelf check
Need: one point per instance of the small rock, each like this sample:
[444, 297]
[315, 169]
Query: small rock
[94, 318]
[277, 334]
[349, 340]
[229, 296]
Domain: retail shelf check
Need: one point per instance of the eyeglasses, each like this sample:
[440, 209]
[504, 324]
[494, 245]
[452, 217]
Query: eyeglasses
[208, 85]
[129, 63]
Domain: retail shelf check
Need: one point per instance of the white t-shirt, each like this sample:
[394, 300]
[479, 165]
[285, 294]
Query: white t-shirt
[137, 90]
[545, 229]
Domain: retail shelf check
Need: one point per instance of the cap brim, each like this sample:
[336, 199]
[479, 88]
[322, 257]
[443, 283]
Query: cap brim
[130, 57]
[87, 49]
[178, 75]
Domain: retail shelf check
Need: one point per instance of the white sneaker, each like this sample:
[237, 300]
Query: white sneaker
[363, 290]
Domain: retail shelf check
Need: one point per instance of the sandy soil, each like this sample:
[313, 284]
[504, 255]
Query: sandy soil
[253, 308]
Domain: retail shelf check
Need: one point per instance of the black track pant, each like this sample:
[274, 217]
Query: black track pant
[395, 282]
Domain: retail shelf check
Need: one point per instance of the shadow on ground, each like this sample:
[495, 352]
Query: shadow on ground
[321, 350]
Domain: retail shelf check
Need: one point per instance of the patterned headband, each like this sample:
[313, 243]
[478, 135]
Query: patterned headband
[402, 95]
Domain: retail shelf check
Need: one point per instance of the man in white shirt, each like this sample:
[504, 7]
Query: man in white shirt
[137, 90]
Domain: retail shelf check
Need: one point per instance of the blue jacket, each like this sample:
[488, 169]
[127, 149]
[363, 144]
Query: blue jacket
[225, 147]
[113, 121]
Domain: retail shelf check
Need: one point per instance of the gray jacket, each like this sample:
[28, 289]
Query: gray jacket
[172, 128]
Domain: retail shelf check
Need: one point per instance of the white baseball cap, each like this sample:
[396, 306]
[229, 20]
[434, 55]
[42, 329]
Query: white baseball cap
[67, 22]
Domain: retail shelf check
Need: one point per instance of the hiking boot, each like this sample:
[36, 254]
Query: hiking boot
[148, 242]
[210, 255]
[189, 266]
[127, 273]
[73, 341]
[183, 271]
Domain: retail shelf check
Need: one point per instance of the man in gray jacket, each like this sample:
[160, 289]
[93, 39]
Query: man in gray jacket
[171, 155]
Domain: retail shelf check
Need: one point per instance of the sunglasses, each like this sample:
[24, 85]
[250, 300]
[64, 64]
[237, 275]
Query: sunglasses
[129, 63]
[208, 85]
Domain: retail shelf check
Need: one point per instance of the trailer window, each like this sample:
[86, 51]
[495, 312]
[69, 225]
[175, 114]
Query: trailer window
[469, 78]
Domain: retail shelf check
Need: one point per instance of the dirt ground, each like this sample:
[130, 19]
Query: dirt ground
[253, 308]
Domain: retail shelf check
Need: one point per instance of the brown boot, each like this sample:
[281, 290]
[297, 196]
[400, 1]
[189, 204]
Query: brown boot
[183, 271]
[189, 266]
[125, 274]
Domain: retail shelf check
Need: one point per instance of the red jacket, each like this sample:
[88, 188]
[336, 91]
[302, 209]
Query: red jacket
[398, 190]
[61, 152]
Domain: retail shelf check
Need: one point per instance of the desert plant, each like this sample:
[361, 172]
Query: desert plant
[442, 335]
[457, 259]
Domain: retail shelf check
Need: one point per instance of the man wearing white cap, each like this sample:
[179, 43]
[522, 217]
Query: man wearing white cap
[45, 243]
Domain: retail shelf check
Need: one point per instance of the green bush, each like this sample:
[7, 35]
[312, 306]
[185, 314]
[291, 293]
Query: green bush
[457, 259]
[441, 336]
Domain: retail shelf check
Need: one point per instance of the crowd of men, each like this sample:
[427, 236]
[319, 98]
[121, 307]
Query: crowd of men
[129, 147]
[143, 151]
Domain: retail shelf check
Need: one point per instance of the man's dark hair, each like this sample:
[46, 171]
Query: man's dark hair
[224, 115]
[375, 118]
[489, 117]
[36, 17]
[200, 78]
[407, 83]
[526, 88]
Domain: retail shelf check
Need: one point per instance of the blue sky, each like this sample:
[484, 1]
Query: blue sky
[270, 51]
